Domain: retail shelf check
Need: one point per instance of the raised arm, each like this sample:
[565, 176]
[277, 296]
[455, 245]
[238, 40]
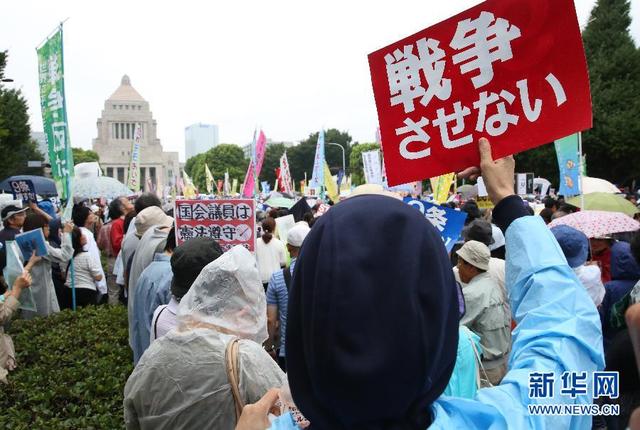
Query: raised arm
[558, 327]
[34, 207]
[65, 252]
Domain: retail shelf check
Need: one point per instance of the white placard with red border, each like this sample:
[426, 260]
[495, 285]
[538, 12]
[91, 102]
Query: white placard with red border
[229, 221]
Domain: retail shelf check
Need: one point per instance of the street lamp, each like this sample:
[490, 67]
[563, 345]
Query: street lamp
[6, 80]
[344, 166]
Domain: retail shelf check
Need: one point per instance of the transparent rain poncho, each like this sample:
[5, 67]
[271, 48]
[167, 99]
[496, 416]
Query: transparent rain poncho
[181, 380]
[228, 294]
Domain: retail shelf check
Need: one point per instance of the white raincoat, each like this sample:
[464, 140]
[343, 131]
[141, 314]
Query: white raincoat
[181, 380]
[42, 288]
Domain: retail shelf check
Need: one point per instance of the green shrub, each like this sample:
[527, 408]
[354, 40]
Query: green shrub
[72, 367]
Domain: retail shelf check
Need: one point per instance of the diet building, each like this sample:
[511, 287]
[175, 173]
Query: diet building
[122, 111]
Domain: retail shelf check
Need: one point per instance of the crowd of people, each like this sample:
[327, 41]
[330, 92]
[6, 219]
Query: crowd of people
[356, 319]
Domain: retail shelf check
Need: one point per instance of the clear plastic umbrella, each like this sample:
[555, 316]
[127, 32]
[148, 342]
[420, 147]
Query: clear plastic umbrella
[101, 186]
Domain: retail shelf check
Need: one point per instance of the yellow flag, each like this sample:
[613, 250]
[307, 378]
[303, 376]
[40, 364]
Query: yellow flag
[330, 185]
[209, 179]
[189, 189]
[440, 186]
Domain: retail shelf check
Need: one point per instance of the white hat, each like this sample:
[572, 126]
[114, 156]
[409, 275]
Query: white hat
[10, 210]
[149, 217]
[296, 235]
[373, 189]
[475, 253]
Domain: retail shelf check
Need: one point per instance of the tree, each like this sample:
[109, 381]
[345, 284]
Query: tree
[84, 155]
[301, 157]
[221, 158]
[541, 161]
[614, 66]
[355, 161]
[16, 145]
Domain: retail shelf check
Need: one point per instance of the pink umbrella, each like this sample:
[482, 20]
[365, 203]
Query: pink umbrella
[598, 223]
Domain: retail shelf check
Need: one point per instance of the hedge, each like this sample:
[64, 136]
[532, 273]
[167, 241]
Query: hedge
[72, 368]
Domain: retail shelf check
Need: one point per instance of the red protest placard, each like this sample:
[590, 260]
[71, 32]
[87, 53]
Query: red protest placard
[229, 221]
[513, 71]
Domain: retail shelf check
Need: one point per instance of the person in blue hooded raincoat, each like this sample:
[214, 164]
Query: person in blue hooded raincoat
[625, 272]
[373, 327]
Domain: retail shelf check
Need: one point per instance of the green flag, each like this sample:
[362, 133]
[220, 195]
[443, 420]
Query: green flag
[54, 113]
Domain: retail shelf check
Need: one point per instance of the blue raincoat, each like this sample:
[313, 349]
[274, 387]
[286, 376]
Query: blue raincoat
[558, 330]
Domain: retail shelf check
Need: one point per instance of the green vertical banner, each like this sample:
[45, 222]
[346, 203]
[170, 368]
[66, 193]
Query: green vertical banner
[54, 112]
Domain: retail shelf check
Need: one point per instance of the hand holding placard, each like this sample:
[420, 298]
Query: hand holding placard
[497, 174]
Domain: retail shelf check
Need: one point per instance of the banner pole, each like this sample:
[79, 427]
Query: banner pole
[68, 153]
[580, 169]
[72, 267]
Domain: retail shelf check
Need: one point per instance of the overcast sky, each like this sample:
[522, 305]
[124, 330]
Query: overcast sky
[288, 66]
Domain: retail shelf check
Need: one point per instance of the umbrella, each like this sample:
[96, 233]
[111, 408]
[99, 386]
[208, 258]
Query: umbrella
[274, 194]
[87, 170]
[604, 202]
[280, 202]
[43, 186]
[100, 186]
[598, 223]
[597, 185]
[467, 191]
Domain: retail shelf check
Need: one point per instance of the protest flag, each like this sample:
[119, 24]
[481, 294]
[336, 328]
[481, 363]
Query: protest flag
[133, 179]
[227, 184]
[371, 167]
[189, 190]
[317, 177]
[54, 111]
[208, 179]
[285, 174]
[250, 178]
[261, 147]
[330, 185]
[568, 153]
[249, 182]
[440, 186]
[56, 126]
